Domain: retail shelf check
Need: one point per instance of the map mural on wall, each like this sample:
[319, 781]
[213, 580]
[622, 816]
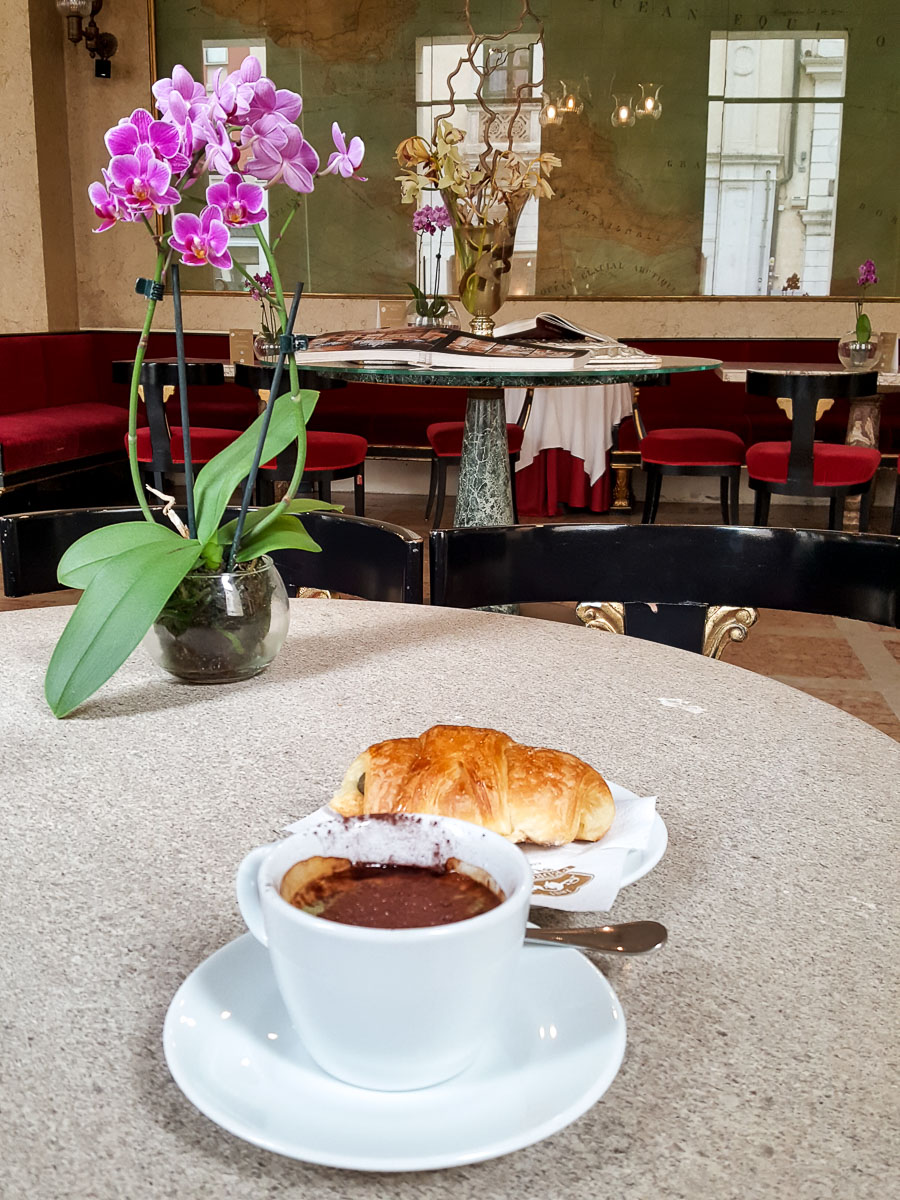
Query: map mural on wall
[770, 170]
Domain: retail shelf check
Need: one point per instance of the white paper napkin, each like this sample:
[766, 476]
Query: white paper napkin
[582, 876]
[586, 876]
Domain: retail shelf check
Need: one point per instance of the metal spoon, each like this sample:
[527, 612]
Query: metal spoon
[631, 937]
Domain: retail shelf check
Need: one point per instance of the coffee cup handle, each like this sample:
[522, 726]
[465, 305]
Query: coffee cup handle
[247, 887]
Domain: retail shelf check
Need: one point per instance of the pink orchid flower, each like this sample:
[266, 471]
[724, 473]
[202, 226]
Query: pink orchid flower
[221, 153]
[143, 181]
[140, 129]
[271, 101]
[241, 203]
[281, 154]
[346, 159]
[182, 85]
[108, 206]
[202, 240]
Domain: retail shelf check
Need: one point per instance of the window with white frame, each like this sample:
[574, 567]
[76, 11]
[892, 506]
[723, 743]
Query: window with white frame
[773, 150]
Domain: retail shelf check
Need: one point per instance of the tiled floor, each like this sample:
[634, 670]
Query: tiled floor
[851, 664]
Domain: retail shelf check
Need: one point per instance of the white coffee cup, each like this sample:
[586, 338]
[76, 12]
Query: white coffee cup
[390, 1009]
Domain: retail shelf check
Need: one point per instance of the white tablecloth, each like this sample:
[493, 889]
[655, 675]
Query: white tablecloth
[579, 419]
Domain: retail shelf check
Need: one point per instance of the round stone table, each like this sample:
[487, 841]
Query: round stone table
[484, 492]
[761, 1058]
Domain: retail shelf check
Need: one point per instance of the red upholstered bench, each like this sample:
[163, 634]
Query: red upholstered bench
[55, 409]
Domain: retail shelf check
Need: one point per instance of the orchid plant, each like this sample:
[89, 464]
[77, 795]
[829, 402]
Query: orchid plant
[865, 278]
[262, 290]
[245, 130]
[429, 220]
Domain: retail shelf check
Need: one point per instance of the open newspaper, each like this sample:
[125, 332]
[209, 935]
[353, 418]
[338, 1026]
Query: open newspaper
[557, 331]
[445, 348]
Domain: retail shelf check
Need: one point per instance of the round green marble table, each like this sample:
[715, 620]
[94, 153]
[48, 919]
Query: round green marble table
[484, 494]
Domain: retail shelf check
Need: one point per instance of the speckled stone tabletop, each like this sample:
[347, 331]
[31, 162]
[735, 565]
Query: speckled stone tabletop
[762, 1054]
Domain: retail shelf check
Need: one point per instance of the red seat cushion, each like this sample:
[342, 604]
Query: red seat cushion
[692, 448]
[833, 466]
[205, 443]
[334, 451]
[446, 438]
[52, 435]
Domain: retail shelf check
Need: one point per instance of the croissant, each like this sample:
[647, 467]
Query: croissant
[524, 793]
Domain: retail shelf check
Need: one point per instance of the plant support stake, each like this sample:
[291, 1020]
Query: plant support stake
[264, 429]
[183, 397]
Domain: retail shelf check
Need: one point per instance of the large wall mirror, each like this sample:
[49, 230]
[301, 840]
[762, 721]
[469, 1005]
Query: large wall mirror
[708, 147]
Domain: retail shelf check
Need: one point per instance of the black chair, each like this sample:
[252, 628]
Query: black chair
[359, 556]
[803, 466]
[680, 570]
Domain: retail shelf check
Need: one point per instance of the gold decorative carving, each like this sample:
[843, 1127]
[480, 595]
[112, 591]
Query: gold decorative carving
[786, 404]
[724, 623]
[168, 391]
[608, 616]
[621, 498]
[263, 394]
[305, 593]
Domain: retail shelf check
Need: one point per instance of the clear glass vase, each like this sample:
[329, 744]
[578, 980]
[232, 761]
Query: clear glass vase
[221, 627]
[266, 347]
[859, 356]
[421, 321]
[484, 251]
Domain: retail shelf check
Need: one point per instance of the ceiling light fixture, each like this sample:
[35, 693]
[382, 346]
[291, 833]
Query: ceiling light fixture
[100, 46]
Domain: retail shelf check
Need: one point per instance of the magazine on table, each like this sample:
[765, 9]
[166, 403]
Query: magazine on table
[557, 331]
[435, 347]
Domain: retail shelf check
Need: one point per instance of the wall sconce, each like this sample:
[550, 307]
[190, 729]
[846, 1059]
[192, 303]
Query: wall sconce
[100, 46]
[649, 105]
[623, 113]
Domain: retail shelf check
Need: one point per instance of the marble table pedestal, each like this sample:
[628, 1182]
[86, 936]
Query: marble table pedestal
[484, 491]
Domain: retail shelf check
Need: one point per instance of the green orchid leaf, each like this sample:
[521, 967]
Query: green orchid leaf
[863, 327]
[121, 602]
[285, 533]
[84, 558]
[226, 532]
[217, 481]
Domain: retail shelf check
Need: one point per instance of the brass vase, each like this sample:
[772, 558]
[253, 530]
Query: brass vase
[484, 251]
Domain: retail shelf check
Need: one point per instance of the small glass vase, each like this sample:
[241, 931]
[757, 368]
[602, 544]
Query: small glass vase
[859, 356]
[266, 347]
[221, 627]
[419, 320]
[484, 251]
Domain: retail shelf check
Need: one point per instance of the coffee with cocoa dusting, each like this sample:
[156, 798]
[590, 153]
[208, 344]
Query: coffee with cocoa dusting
[388, 896]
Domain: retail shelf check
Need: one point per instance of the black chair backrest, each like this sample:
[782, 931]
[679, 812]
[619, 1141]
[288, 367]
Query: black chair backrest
[360, 557]
[679, 569]
[805, 392]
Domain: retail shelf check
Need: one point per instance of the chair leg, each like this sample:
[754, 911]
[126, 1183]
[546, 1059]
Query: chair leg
[836, 513]
[761, 507]
[359, 491]
[441, 492]
[895, 516]
[865, 507]
[723, 498]
[735, 507]
[513, 459]
[324, 485]
[432, 486]
[651, 500]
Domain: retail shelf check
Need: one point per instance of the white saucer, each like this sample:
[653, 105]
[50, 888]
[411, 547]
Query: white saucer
[232, 1051]
[640, 862]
